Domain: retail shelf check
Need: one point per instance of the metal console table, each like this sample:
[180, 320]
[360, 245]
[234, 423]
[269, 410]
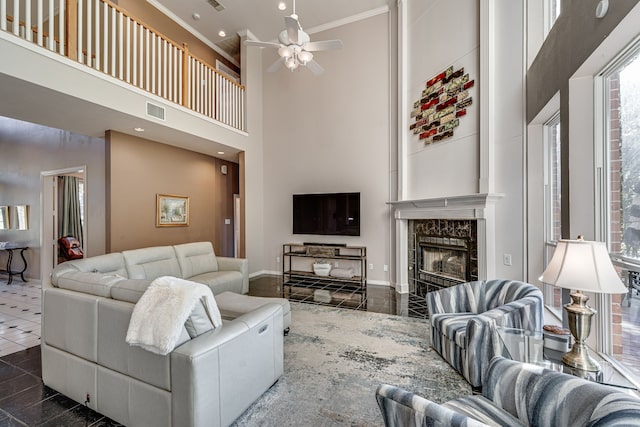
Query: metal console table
[9, 247]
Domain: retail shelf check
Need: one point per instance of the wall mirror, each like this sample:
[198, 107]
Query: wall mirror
[4, 217]
[22, 217]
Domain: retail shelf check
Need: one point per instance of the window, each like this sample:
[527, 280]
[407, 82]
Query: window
[621, 150]
[552, 204]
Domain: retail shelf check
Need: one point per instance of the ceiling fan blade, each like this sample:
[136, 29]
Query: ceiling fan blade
[261, 44]
[315, 68]
[275, 66]
[293, 26]
[323, 45]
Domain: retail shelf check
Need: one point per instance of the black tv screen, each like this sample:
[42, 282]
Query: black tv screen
[336, 214]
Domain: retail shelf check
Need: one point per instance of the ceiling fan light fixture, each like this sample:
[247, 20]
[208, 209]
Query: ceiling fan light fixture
[285, 52]
[305, 57]
[291, 63]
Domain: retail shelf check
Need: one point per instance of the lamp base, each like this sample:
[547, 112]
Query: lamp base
[579, 358]
[580, 315]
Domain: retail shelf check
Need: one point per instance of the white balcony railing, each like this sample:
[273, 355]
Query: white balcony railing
[100, 35]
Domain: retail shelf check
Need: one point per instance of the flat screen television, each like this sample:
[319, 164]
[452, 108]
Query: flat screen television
[334, 214]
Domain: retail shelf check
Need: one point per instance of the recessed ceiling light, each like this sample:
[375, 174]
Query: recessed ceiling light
[195, 16]
[139, 129]
[282, 5]
[221, 152]
[221, 33]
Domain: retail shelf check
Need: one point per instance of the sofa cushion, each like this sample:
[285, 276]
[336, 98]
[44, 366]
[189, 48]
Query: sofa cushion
[89, 283]
[150, 263]
[233, 304]
[196, 258]
[221, 281]
[198, 321]
[129, 290]
[107, 264]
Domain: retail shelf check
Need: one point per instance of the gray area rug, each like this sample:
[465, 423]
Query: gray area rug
[335, 358]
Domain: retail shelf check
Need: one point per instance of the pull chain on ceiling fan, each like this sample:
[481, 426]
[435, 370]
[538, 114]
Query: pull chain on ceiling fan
[295, 46]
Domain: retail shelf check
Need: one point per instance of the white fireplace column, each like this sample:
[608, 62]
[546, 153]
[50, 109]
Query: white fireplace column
[478, 207]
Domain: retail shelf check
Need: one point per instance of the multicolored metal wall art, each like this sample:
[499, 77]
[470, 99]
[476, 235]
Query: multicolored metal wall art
[444, 100]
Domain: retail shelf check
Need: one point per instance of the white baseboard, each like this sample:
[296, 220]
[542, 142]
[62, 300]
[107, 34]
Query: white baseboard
[378, 282]
[264, 273]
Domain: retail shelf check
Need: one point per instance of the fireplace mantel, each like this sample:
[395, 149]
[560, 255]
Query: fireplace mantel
[479, 207]
[472, 206]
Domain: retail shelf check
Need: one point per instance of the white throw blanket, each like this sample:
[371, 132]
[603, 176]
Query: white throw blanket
[160, 314]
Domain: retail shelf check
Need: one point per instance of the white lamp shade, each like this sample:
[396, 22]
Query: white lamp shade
[583, 265]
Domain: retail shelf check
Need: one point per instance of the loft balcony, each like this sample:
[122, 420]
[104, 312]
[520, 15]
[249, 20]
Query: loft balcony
[104, 41]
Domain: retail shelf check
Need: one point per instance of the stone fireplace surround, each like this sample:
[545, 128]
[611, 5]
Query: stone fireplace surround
[475, 207]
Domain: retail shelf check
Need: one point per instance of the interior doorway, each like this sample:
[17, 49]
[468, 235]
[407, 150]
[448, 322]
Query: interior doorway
[51, 194]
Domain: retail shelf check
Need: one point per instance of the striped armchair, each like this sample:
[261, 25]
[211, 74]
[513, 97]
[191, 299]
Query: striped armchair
[515, 394]
[463, 320]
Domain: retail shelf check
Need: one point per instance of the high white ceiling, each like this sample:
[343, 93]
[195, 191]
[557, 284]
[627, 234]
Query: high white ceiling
[262, 17]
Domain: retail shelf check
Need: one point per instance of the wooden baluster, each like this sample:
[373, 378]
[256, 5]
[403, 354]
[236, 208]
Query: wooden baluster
[28, 32]
[114, 40]
[62, 28]
[16, 17]
[51, 36]
[185, 75]
[39, 22]
[3, 15]
[120, 46]
[105, 37]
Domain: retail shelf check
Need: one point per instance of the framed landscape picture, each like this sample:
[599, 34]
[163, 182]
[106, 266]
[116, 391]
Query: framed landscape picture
[172, 211]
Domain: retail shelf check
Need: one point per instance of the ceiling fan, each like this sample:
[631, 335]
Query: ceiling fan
[295, 46]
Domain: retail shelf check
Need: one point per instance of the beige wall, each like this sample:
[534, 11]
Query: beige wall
[138, 169]
[26, 150]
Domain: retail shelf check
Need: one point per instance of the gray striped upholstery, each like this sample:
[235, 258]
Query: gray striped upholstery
[516, 394]
[402, 408]
[463, 320]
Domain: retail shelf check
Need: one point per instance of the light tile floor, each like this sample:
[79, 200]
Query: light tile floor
[20, 306]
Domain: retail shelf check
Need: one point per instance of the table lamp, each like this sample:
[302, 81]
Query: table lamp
[582, 266]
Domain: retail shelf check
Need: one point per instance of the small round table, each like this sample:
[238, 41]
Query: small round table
[9, 248]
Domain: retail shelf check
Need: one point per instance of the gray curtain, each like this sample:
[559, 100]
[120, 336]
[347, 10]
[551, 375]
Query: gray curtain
[71, 220]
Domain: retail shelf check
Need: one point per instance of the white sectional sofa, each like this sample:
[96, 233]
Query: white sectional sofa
[208, 379]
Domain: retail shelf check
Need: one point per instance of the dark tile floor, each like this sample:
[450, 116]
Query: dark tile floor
[26, 401]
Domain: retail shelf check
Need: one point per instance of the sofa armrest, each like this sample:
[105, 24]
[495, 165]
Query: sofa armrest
[245, 354]
[402, 408]
[236, 264]
[482, 341]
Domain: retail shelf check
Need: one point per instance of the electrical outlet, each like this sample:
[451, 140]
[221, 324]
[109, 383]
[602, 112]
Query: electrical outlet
[370, 266]
[386, 267]
[506, 259]
[336, 264]
[277, 259]
[227, 221]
